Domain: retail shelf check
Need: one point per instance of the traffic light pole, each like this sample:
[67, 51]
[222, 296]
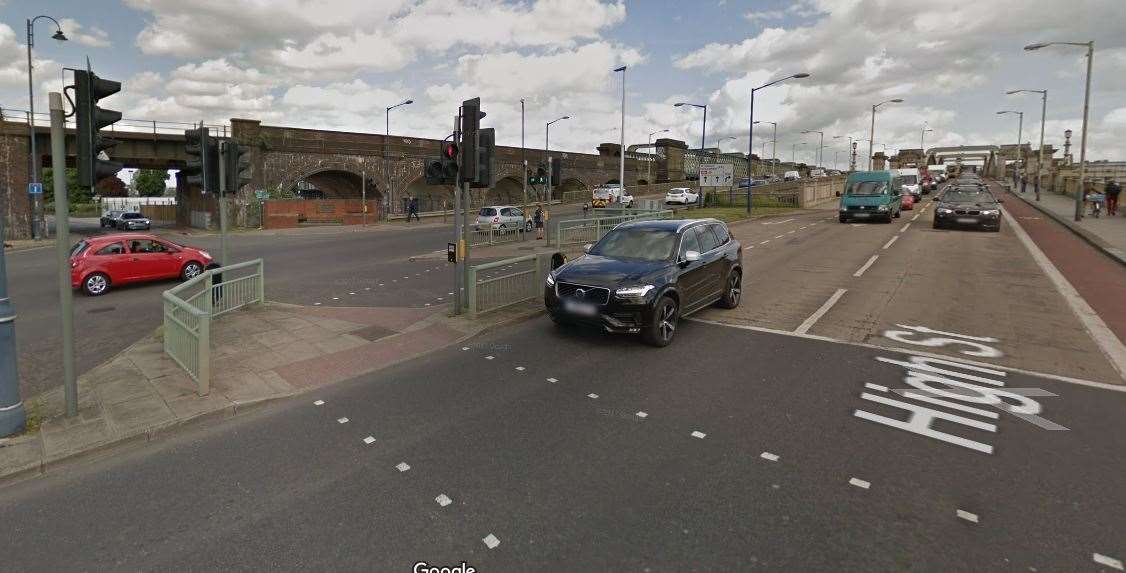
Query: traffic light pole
[12, 414]
[62, 249]
[224, 149]
[459, 221]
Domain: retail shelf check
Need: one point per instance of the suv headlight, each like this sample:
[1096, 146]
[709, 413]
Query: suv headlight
[882, 208]
[945, 211]
[634, 291]
[991, 212]
[551, 278]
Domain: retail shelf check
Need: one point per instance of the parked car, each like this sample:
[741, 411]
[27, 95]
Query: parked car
[643, 276]
[99, 263]
[870, 195]
[967, 206]
[502, 217]
[907, 202]
[681, 196]
[129, 221]
[791, 176]
[109, 218]
[608, 195]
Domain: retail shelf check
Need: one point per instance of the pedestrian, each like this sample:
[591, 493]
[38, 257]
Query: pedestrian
[1023, 183]
[1112, 191]
[1093, 197]
[413, 210]
[537, 218]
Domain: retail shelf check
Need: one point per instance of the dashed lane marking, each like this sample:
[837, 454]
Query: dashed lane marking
[369, 440]
[698, 434]
[769, 456]
[352, 293]
[316, 304]
[319, 403]
[491, 541]
[779, 236]
[552, 380]
[335, 298]
[820, 312]
[860, 483]
[520, 369]
[342, 420]
[592, 396]
[861, 270]
[490, 357]
[893, 239]
[970, 517]
[916, 216]
[642, 415]
[403, 466]
[904, 228]
[765, 242]
[443, 500]
[465, 348]
[1108, 561]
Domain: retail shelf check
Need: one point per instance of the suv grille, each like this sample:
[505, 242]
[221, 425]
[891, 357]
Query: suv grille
[596, 295]
[967, 212]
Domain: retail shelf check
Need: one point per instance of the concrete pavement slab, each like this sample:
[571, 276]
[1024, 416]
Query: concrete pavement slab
[138, 414]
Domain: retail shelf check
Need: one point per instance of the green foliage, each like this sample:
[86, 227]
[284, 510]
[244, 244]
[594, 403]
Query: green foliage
[75, 193]
[150, 182]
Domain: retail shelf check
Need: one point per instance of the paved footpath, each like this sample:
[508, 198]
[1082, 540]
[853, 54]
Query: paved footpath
[1105, 232]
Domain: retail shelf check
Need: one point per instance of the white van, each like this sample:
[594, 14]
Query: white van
[909, 181]
[791, 176]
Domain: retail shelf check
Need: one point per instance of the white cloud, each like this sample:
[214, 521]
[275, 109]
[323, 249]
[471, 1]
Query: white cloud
[93, 36]
[762, 15]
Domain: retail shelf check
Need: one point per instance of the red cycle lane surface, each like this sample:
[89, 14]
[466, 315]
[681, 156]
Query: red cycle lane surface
[1098, 279]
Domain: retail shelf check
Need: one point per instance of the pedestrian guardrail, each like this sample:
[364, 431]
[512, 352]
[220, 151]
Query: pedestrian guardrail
[190, 306]
[489, 236]
[488, 292]
[582, 231]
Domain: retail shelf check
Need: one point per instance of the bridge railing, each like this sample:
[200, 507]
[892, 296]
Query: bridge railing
[128, 125]
[582, 231]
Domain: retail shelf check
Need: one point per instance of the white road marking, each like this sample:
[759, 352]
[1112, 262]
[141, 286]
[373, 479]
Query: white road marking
[552, 380]
[520, 368]
[778, 222]
[893, 239]
[769, 456]
[427, 304]
[342, 420]
[971, 517]
[449, 293]
[465, 348]
[319, 403]
[490, 357]
[642, 415]
[367, 288]
[491, 541]
[1108, 561]
[803, 227]
[875, 387]
[316, 304]
[402, 467]
[1108, 342]
[860, 483]
[369, 440]
[813, 318]
[861, 270]
[443, 500]
[439, 298]
[380, 284]
[779, 236]
[916, 216]
[904, 228]
[698, 434]
[335, 298]
[765, 242]
[592, 396]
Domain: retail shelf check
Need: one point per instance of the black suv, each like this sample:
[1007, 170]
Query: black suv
[644, 275]
[967, 205]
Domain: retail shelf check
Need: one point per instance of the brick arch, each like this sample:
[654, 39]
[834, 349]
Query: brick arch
[284, 170]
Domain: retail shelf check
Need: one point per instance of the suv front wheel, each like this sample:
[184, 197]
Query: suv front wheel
[666, 314]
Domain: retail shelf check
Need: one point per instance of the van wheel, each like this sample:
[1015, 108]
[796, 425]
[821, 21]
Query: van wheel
[96, 284]
[660, 332]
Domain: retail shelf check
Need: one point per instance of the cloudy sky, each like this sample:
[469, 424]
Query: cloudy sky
[337, 64]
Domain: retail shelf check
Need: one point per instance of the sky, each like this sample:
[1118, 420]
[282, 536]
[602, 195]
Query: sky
[337, 64]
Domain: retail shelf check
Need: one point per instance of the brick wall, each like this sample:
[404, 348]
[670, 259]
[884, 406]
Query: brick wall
[14, 165]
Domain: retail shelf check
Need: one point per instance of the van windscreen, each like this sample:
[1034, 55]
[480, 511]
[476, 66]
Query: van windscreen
[867, 188]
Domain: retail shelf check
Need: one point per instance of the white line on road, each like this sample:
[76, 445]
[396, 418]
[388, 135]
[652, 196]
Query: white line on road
[642, 415]
[916, 216]
[790, 232]
[1108, 561]
[491, 541]
[779, 236]
[769, 456]
[971, 517]
[443, 500]
[369, 440]
[490, 357]
[778, 222]
[592, 396]
[813, 318]
[552, 380]
[319, 403]
[893, 239]
[698, 434]
[904, 228]
[1108, 342]
[316, 304]
[860, 483]
[342, 420]
[465, 348]
[876, 387]
[861, 270]
[403, 466]
[765, 242]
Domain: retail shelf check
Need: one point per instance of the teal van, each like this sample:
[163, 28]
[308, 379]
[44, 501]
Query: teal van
[870, 195]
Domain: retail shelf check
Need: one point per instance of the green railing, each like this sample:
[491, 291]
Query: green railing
[190, 306]
[490, 236]
[523, 283]
[582, 231]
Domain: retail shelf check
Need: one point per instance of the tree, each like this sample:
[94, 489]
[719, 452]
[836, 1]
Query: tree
[75, 193]
[150, 182]
[111, 187]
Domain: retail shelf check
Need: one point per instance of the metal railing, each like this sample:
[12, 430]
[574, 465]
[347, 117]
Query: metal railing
[582, 231]
[489, 236]
[125, 124]
[576, 196]
[494, 292]
[190, 306]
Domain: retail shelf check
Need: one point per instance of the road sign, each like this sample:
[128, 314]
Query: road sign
[261, 194]
[717, 175]
[35, 188]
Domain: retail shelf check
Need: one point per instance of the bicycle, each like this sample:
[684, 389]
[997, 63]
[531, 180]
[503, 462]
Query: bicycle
[1097, 200]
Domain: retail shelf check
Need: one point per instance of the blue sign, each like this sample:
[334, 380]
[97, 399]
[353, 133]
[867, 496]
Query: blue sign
[35, 188]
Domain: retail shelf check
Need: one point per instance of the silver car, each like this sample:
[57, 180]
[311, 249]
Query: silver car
[502, 217]
[133, 222]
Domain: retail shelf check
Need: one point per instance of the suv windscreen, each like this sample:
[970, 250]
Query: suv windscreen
[868, 188]
[642, 244]
[960, 196]
[132, 216]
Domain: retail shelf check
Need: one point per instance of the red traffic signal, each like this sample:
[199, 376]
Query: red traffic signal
[450, 152]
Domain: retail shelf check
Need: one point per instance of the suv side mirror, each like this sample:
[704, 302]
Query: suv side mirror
[587, 247]
[691, 256]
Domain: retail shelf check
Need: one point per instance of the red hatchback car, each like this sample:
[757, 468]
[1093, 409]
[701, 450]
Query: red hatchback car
[99, 262]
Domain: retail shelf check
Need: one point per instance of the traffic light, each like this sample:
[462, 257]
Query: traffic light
[203, 169]
[556, 171]
[443, 170]
[237, 166]
[486, 147]
[470, 125]
[88, 89]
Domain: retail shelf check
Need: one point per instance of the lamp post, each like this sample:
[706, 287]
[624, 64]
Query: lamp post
[922, 138]
[751, 128]
[872, 131]
[649, 164]
[523, 156]
[33, 174]
[1020, 134]
[1086, 109]
[835, 158]
[622, 145]
[546, 142]
[820, 144]
[794, 153]
[852, 156]
[773, 146]
[1043, 114]
[704, 131]
[386, 136]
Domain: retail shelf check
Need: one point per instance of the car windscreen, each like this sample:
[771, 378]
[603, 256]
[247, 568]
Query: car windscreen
[960, 196]
[909, 179]
[487, 212]
[641, 244]
[867, 188]
[132, 216]
[78, 248]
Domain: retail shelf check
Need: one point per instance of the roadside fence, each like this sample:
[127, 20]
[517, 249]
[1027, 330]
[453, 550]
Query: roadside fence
[582, 231]
[489, 292]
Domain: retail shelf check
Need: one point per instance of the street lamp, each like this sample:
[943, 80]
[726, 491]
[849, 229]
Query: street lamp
[1020, 135]
[1043, 114]
[922, 138]
[622, 147]
[773, 145]
[872, 131]
[37, 214]
[820, 144]
[1086, 108]
[649, 164]
[794, 153]
[751, 121]
[704, 131]
[546, 140]
[386, 136]
[851, 151]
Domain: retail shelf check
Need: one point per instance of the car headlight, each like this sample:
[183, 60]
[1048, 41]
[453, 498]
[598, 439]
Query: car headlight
[551, 278]
[205, 254]
[882, 208]
[844, 208]
[634, 291]
[991, 212]
[944, 211]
